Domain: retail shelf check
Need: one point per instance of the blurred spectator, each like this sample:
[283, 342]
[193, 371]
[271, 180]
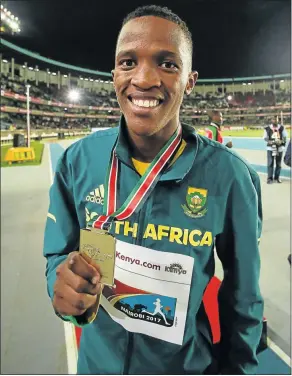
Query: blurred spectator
[275, 135]
[214, 129]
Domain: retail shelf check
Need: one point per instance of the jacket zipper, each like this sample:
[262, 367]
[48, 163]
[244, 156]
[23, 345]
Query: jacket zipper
[139, 240]
[141, 216]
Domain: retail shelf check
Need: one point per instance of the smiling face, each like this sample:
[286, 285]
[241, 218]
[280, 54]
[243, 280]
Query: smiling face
[152, 72]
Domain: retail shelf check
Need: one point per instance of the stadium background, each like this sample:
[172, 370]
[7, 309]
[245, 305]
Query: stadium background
[247, 104]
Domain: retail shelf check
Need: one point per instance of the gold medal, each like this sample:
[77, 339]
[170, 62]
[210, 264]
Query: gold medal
[99, 248]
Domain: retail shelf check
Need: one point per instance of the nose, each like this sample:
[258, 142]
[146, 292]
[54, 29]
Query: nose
[146, 76]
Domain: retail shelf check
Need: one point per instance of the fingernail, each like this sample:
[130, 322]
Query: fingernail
[94, 280]
[71, 262]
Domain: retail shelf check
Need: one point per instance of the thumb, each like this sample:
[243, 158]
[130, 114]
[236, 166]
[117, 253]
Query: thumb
[92, 263]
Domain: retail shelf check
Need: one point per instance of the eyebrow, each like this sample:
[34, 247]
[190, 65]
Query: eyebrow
[159, 54]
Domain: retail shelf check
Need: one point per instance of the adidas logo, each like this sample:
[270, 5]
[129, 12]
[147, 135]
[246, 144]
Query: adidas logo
[96, 196]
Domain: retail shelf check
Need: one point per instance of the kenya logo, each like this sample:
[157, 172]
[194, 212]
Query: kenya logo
[175, 268]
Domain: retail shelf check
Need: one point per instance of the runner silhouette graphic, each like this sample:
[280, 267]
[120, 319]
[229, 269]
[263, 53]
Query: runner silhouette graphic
[157, 310]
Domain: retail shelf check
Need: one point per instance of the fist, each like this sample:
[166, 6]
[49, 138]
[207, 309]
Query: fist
[77, 286]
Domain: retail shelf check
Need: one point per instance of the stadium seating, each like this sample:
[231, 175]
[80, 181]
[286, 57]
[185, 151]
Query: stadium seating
[98, 109]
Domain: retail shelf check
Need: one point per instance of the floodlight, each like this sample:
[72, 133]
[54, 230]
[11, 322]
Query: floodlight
[74, 95]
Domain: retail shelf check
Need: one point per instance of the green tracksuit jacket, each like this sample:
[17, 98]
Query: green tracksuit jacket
[226, 213]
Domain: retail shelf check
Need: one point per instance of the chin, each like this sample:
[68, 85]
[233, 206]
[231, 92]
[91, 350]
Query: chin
[143, 127]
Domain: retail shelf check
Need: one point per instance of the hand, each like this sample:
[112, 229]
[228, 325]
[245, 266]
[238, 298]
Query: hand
[229, 144]
[77, 286]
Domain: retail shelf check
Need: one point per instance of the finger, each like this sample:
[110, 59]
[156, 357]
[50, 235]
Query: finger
[91, 262]
[65, 296]
[79, 284]
[81, 267]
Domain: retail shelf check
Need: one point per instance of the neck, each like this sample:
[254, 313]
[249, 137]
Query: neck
[145, 148]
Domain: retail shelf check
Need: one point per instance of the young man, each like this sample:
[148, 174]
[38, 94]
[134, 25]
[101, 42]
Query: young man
[152, 321]
[214, 129]
[275, 136]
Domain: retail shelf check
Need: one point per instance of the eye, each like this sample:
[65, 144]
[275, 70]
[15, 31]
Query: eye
[169, 65]
[127, 63]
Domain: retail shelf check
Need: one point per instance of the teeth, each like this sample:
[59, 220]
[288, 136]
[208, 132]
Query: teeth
[146, 103]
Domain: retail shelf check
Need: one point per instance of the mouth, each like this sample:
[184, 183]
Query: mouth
[147, 104]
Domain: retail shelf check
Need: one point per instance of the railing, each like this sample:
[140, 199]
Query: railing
[51, 61]
[34, 136]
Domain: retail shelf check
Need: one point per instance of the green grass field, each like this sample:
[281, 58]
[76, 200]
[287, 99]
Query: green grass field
[57, 140]
[247, 133]
[39, 146]
[38, 149]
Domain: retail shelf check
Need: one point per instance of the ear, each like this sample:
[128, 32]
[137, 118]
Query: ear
[113, 73]
[193, 76]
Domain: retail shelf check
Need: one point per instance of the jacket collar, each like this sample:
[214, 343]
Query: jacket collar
[182, 165]
[215, 125]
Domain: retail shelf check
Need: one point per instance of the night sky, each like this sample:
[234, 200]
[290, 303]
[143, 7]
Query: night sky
[231, 38]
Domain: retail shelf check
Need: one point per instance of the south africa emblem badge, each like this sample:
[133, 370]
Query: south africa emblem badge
[196, 202]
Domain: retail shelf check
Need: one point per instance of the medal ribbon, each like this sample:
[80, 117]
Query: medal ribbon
[142, 189]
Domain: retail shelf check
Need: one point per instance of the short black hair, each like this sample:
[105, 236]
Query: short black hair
[162, 12]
